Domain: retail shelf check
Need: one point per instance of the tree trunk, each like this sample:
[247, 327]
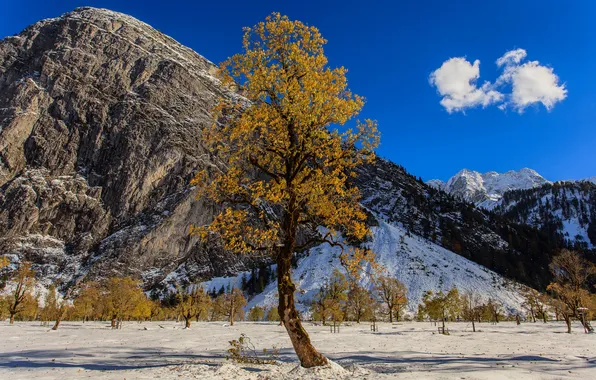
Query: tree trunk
[586, 324]
[58, 320]
[306, 352]
[113, 324]
[12, 318]
[390, 315]
[568, 322]
[473, 326]
[187, 323]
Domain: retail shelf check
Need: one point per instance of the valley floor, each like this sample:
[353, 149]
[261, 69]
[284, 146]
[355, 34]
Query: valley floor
[163, 350]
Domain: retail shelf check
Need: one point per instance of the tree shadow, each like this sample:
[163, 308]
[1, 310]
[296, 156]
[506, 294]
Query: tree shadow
[107, 359]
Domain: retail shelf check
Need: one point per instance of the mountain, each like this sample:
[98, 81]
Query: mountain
[100, 134]
[564, 209]
[420, 264]
[485, 190]
[100, 120]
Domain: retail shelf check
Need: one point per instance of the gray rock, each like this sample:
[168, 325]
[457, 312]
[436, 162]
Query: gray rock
[100, 124]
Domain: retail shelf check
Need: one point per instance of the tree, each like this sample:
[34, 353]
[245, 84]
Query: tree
[442, 306]
[493, 310]
[25, 280]
[87, 303]
[193, 303]
[571, 274]
[279, 167]
[393, 293]
[273, 314]
[360, 304]
[55, 308]
[256, 314]
[122, 297]
[471, 308]
[536, 305]
[230, 305]
[330, 301]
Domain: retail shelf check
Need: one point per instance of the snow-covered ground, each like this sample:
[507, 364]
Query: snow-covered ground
[401, 350]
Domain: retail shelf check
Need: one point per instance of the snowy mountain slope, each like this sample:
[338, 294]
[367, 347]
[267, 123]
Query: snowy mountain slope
[567, 209]
[418, 263]
[485, 190]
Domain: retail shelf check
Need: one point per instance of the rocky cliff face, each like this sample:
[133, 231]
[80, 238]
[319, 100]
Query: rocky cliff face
[100, 123]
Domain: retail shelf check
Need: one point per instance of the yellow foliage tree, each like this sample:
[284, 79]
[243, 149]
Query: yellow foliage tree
[393, 293]
[122, 299]
[283, 159]
[24, 280]
[87, 304]
[571, 273]
[256, 314]
[192, 304]
[230, 305]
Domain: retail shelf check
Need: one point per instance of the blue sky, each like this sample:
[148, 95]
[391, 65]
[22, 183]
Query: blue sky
[391, 49]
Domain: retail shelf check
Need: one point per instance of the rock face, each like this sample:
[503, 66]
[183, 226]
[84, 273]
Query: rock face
[100, 124]
[485, 190]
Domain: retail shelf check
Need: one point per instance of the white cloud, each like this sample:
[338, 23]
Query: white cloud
[512, 57]
[455, 82]
[531, 83]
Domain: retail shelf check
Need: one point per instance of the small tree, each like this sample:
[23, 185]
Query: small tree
[122, 297]
[493, 310]
[193, 303]
[360, 303]
[24, 280]
[87, 303]
[230, 305]
[282, 165]
[330, 301]
[55, 308]
[571, 274]
[256, 314]
[471, 308]
[442, 306]
[393, 293]
[273, 315]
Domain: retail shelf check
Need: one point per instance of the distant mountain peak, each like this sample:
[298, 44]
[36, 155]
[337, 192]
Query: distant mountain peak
[485, 190]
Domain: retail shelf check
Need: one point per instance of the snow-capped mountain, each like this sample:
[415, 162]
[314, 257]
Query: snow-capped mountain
[485, 190]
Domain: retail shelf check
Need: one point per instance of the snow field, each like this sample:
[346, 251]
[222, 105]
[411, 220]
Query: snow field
[412, 350]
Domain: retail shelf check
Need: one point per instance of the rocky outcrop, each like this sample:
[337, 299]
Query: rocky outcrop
[100, 123]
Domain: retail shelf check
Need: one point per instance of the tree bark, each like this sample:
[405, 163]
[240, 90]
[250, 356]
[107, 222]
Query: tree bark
[113, 324]
[568, 322]
[586, 324]
[187, 323]
[306, 352]
[58, 320]
[12, 318]
[473, 326]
